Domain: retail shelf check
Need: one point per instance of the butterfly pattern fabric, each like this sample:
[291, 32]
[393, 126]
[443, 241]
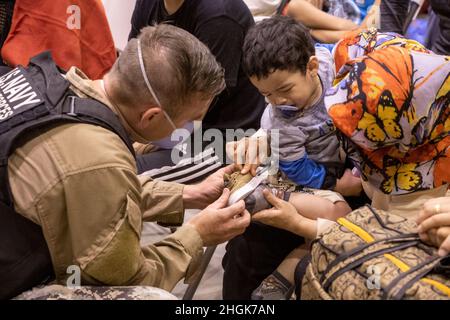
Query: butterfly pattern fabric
[390, 103]
[383, 125]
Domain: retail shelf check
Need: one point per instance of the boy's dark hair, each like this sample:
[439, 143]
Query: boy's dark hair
[277, 43]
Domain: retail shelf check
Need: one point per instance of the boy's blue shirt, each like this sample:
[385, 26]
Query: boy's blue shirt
[304, 172]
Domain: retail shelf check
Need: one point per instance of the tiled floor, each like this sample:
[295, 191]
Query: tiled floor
[210, 287]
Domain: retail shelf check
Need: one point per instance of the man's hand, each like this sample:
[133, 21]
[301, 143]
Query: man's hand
[434, 224]
[283, 215]
[218, 223]
[248, 153]
[198, 196]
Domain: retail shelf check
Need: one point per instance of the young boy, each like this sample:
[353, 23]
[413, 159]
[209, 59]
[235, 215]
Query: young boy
[281, 61]
[390, 102]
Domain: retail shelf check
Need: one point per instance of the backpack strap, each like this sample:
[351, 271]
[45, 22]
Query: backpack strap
[299, 274]
[47, 78]
[81, 109]
[73, 110]
[96, 113]
[53, 104]
[405, 280]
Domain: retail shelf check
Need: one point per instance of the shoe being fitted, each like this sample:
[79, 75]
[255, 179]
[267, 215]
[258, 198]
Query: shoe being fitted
[250, 189]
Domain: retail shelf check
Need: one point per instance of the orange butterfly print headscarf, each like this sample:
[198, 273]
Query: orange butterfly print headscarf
[391, 106]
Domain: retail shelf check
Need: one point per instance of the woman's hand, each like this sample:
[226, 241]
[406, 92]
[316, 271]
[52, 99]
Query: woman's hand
[434, 224]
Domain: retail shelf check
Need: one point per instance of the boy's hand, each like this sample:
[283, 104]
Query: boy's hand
[248, 153]
[283, 215]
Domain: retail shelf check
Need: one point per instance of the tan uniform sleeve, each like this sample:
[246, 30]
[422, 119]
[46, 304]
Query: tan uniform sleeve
[104, 226]
[162, 201]
[79, 183]
[188, 255]
[110, 253]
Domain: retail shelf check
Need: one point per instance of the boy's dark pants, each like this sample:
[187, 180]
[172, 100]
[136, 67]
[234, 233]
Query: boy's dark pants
[252, 256]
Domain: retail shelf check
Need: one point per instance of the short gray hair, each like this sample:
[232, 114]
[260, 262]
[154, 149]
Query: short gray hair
[177, 64]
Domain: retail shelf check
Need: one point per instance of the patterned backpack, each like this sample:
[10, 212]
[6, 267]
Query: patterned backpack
[371, 254]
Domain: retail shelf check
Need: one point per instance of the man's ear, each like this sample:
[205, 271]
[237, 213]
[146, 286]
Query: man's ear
[146, 117]
[313, 65]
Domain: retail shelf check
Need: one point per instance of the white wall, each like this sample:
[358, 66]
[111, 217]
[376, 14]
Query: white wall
[119, 16]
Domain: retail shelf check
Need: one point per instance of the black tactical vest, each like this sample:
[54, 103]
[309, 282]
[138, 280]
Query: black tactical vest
[33, 99]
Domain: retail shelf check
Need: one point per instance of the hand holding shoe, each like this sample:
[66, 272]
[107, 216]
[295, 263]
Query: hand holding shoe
[218, 223]
[198, 196]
